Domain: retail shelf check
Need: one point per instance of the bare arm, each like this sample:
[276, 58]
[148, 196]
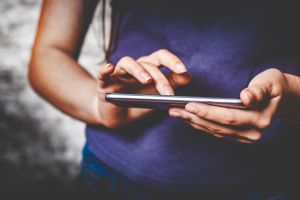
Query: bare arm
[269, 94]
[291, 106]
[54, 72]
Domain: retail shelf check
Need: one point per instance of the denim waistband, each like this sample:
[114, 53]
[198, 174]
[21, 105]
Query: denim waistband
[101, 179]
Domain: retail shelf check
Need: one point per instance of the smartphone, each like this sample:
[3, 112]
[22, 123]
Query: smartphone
[167, 101]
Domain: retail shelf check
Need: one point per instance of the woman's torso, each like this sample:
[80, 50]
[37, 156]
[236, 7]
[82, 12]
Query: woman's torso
[223, 44]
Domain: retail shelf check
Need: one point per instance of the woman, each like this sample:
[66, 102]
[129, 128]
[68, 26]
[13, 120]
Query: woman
[230, 48]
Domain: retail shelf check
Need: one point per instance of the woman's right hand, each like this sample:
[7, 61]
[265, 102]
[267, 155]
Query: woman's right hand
[137, 76]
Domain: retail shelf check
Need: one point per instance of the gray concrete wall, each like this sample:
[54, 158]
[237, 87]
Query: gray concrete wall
[38, 144]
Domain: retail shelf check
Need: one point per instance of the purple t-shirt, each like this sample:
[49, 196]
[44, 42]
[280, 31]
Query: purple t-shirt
[224, 44]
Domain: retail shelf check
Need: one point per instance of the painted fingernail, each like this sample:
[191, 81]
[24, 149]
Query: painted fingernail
[175, 114]
[167, 90]
[180, 67]
[191, 108]
[145, 76]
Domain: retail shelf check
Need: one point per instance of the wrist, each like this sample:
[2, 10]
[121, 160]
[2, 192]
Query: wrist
[293, 84]
[290, 104]
[96, 117]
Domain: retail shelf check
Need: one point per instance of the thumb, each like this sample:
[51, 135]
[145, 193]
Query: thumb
[177, 80]
[254, 95]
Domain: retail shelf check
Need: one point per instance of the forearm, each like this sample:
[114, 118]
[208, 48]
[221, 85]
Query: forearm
[291, 103]
[54, 72]
[57, 77]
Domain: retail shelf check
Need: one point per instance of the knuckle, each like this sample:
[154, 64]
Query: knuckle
[124, 60]
[257, 92]
[275, 71]
[264, 123]
[229, 118]
[141, 71]
[214, 130]
[203, 113]
[111, 124]
[179, 80]
[162, 81]
[195, 120]
[162, 51]
[142, 59]
[184, 116]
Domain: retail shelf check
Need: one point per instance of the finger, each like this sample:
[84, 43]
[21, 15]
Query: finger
[119, 72]
[161, 82]
[254, 95]
[109, 87]
[215, 128]
[129, 65]
[219, 135]
[177, 80]
[229, 137]
[238, 139]
[225, 116]
[174, 80]
[265, 85]
[233, 117]
[165, 58]
[223, 131]
[105, 71]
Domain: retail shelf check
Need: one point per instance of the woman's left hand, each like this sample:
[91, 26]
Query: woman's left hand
[263, 99]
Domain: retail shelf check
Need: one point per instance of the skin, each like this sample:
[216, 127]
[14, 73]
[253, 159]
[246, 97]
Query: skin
[270, 94]
[137, 76]
[55, 74]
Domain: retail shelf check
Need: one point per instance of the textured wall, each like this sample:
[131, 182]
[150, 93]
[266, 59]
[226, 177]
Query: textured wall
[39, 146]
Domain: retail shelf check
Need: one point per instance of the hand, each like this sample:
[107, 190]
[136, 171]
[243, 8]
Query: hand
[263, 97]
[137, 76]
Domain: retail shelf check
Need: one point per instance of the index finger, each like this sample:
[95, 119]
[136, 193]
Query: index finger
[226, 116]
[165, 58]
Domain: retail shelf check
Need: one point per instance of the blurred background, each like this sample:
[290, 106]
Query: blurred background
[40, 148]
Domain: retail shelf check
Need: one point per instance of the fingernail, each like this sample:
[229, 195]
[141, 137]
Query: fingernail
[254, 136]
[145, 76]
[249, 97]
[218, 136]
[191, 108]
[180, 67]
[175, 114]
[167, 90]
[109, 65]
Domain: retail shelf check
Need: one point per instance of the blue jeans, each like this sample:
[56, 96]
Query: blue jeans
[103, 182]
